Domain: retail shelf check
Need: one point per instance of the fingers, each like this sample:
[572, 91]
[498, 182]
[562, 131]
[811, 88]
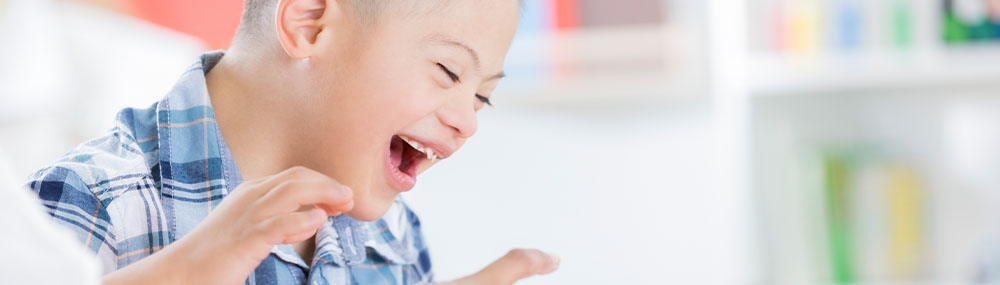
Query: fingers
[292, 227]
[289, 206]
[265, 184]
[299, 237]
[291, 195]
[532, 261]
[519, 264]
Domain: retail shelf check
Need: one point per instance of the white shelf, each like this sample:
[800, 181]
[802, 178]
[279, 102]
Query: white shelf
[598, 65]
[953, 68]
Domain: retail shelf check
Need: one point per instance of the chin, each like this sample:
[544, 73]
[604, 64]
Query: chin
[371, 209]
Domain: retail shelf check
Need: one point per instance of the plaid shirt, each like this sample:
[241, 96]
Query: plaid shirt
[161, 170]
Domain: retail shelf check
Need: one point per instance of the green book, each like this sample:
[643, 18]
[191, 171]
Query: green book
[836, 178]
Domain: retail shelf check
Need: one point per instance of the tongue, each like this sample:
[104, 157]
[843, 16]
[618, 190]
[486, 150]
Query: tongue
[396, 152]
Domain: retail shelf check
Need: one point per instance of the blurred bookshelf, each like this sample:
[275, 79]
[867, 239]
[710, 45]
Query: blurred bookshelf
[871, 140]
[823, 46]
[599, 52]
[952, 68]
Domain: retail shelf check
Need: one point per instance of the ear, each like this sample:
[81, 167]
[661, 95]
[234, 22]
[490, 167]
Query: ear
[299, 23]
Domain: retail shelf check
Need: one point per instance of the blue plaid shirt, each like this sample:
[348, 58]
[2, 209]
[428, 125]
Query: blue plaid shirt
[161, 170]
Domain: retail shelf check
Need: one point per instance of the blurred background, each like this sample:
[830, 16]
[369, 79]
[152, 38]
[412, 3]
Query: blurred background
[646, 141]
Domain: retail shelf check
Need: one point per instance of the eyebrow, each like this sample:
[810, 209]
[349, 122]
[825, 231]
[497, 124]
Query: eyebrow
[472, 53]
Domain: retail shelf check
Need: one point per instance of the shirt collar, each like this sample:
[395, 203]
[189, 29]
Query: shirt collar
[343, 241]
[188, 132]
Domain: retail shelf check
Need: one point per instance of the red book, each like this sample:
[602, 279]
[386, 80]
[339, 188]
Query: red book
[567, 14]
[214, 22]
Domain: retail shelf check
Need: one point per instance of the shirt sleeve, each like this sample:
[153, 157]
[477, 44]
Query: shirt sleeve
[73, 201]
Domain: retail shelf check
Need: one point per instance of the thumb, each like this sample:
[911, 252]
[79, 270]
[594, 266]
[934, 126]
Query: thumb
[518, 264]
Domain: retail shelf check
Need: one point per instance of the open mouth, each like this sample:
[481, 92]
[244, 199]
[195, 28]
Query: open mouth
[405, 156]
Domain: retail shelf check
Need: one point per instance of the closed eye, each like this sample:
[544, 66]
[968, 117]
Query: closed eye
[484, 99]
[452, 75]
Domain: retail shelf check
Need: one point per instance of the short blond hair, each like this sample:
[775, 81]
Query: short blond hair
[259, 14]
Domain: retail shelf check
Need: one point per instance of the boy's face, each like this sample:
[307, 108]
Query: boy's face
[411, 76]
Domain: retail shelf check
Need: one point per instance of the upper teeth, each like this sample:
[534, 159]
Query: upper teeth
[426, 150]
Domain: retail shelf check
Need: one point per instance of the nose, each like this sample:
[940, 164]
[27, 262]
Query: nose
[460, 116]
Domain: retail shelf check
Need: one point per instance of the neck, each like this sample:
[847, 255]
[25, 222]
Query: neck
[250, 115]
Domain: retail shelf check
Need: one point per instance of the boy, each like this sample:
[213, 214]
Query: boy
[327, 109]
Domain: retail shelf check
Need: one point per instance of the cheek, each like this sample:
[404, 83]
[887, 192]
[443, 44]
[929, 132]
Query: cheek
[399, 103]
[400, 88]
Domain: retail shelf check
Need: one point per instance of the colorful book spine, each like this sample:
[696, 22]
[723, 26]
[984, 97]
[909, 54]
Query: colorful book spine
[906, 234]
[967, 21]
[567, 14]
[803, 27]
[836, 178]
[902, 24]
[847, 25]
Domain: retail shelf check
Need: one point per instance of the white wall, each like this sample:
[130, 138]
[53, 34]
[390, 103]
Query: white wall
[624, 194]
[61, 89]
